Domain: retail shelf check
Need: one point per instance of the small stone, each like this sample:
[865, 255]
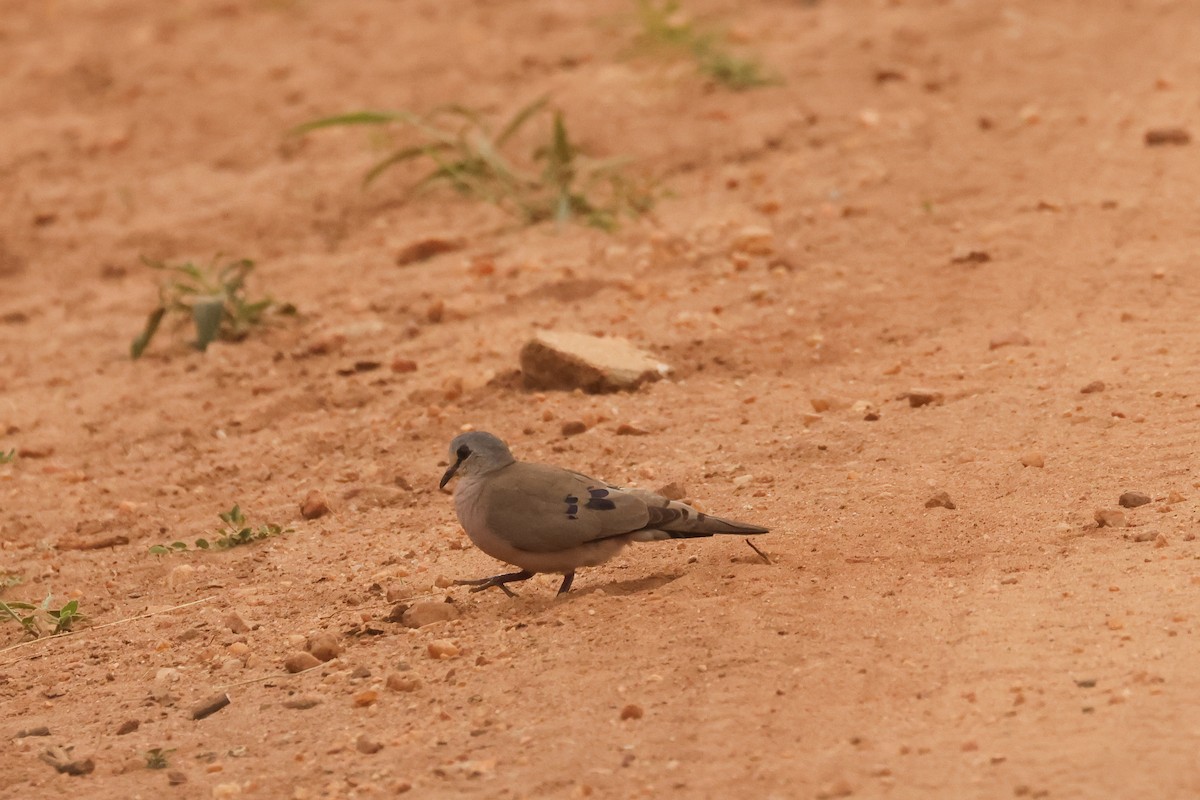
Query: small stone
[403, 365]
[1011, 339]
[442, 648]
[428, 612]
[62, 761]
[399, 682]
[234, 622]
[366, 745]
[176, 778]
[755, 240]
[128, 726]
[1156, 137]
[1143, 536]
[324, 646]
[821, 404]
[40, 730]
[923, 397]
[314, 506]
[298, 662]
[302, 702]
[574, 427]
[210, 706]
[869, 411]
[742, 480]
[632, 711]
[425, 249]
[1110, 518]
[367, 698]
[1033, 459]
[565, 360]
[625, 429]
[1175, 497]
[1161, 540]
[1093, 387]
[436, 311]
[970, 255]
[940, 500]
[1133, 499]
[673, 491]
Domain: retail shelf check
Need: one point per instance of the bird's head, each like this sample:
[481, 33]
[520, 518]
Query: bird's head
[476, 453]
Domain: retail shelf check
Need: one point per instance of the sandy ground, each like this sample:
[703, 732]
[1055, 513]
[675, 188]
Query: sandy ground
[960, 198]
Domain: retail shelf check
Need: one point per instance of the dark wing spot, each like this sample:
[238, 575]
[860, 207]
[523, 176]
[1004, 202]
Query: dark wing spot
[572, 509]
[598, 492]
[596, 504]
[569, 499]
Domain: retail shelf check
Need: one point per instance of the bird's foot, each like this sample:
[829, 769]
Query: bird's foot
[479, 584]
[566, 584]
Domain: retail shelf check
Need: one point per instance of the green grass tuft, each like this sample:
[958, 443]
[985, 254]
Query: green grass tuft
[466, 154]
[666, 29]
[212, 297]
[235, 532]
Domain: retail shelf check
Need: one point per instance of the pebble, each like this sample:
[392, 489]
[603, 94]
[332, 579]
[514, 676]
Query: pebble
[425, 249]
[367, 698]
[427, 612]
[1133, 499]
[742, 480]
[1110, 518]
[210, 706]
[1093, 387]
[923, 397]
[298, 662]
[234, 622]
[1033, 459]
[314, 506]
[442, 648]
[869, 411]
[1142, 536]
[632, 711]
[176, 778]
[128, 726]
[1175, 497]
[574, 427]
[366, 745]
[302, 702]
[625, 429]
[1161, 540]
[324, 646]
[566, 360]
[821, 404]
[941, 500]
[1156, 137]
[673, 491]
[755, 240]
[399, 682]
[402, 365]
[1010, 339]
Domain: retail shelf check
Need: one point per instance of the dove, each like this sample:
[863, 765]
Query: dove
[542, 518]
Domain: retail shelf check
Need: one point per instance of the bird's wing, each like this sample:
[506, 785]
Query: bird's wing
[544, 509]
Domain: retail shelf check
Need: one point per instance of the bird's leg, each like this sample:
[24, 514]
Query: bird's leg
[566, 584]
[479, 584]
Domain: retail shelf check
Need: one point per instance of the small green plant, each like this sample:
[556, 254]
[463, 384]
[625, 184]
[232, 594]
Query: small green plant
[157, 758]
[42, 619]
[234, 533]
[9, 457]
[213, 297]
[468, 156]
[667, 29]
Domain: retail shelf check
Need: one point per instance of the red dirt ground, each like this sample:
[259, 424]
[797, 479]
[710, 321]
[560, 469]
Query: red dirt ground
[1007, 647]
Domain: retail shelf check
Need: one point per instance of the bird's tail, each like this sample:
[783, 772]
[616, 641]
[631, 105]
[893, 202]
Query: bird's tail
[670, 519]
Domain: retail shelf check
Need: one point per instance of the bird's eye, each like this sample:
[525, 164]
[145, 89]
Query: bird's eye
[462, 452]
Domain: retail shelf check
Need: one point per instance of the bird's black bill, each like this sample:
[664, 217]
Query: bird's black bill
[450, 473]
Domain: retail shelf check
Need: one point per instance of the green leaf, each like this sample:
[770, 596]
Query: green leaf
[398, 157]
[140, 344]
[208, 313]
[202, 544]
[356, 118]
[158, 550]
[520, 118]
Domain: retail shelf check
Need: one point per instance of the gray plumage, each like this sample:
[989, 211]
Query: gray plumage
[547, 519]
